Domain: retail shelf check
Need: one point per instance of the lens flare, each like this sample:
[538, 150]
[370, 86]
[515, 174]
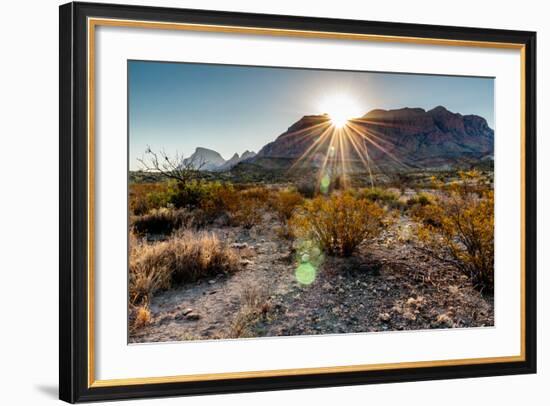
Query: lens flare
[309, 258]
[306, 273]
[325, 184]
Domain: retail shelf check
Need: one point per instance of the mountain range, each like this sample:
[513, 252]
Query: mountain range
[402, 138]
[209, 160]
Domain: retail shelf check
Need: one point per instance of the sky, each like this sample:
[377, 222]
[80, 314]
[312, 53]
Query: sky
[181, 106]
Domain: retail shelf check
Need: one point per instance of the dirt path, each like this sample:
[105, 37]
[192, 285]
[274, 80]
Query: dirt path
[207, 309]
[387, 286]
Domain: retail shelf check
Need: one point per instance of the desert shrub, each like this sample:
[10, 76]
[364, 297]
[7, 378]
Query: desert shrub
[338, 223]
[194, 193]
[215, 203]
[183, 258]
[161, 221]
[420, 199]
[307, 187]
[473, 181]
[401, 181]
[144, 197]
[245, 207]
[284, 203]
[207, 200]
[380, 195]
[246, 213]
[458, 228]
[258, 193]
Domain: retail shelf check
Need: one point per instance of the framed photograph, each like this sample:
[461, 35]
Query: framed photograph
[257, 202]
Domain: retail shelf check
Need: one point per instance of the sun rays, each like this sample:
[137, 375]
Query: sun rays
[343, 142]
[340, 109]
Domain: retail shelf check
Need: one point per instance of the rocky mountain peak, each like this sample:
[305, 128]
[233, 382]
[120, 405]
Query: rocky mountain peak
[412, 135]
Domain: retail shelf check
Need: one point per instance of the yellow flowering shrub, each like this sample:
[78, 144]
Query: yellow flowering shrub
[458, 228]
[338, 223]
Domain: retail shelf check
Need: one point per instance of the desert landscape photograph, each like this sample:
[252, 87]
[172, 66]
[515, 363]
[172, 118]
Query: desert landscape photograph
[273, 202]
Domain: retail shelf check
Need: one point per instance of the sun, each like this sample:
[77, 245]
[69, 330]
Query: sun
[340, 109]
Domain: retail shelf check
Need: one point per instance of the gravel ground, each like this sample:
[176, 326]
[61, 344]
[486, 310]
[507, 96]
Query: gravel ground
[386, 286]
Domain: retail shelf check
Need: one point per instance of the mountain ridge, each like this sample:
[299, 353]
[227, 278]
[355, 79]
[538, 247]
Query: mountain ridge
[395, 138]
[408, 136]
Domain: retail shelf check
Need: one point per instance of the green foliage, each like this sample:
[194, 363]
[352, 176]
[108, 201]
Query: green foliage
[192, 194]
[379, 195]
[144, 197]
[161, 221]
[420, 199]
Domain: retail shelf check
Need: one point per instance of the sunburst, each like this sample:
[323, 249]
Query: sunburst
[343, 137]
[340, 109]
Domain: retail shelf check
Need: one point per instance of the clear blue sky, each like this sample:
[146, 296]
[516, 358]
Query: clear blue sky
[181, 106]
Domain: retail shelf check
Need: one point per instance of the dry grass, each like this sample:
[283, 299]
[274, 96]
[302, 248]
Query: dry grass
[161, 221]
[184, 257]
[142, 318]
[254, 305]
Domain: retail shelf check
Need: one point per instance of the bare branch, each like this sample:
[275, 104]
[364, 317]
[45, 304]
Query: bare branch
[175, 167]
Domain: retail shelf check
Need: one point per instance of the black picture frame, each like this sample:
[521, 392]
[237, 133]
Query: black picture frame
[74, 199]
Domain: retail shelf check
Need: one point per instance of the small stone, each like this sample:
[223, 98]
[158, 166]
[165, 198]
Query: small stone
[245, 262]
[193, 317]
[211, 281]
[340, 290]
[409, 316]
[166, 319]
[187, 311]
[444, 319]
[239, 245]
[327, 286]
[385, 317]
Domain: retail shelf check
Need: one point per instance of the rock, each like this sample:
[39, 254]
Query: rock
[193, 317]
[417, 302]
[239, 245]
[166, 319]
[246, 262]
[444, 319]
[211, 281]
[327, 286]
[409, 315]
[434, 138]
[385, 317]
[187, 311]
